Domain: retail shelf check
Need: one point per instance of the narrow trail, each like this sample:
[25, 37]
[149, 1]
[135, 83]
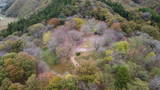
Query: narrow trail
[75, 63]
[82, 49]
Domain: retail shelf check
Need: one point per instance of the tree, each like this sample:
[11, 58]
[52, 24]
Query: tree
[2, 75]
[14, 73]
[138, 85]
[93, 26]
[5, 84]
[129, 27]
[19, 67]
[55, 84]
[33, 83]
[118, 8]
[70, 82]
[122, 78]
[87, 72]
[16, 86]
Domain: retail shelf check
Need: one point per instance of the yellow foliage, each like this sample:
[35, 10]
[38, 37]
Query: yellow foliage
[46, 37]
[36, 27]
[79, 21]
[122, 46]
[55, 79]
[109, 52]
[68, 76]
[108, 56]
[55, 84]
[151, 54]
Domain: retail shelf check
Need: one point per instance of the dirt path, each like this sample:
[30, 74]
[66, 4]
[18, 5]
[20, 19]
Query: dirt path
[83, 48]
[75, 63]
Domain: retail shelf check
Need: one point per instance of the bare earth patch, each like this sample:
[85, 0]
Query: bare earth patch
[4, 21]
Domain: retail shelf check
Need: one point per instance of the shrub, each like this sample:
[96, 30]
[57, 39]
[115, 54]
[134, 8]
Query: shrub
[150, 56]
[75, 36]
[89, 26]
[59, 83]
[36, 27]
[100, 28]
[155, 72]
[136, 42]
[100, 13]
[47, 37]
[129, 27]
[36, 30]
[108, 37]
[122, 46]
[108, 55]
[116, 26]
[152, 31]
[133, 68]
[155, 83]
[13, 45]
[143, 75]
[32, 49]
[64, 50]
[63, 40]
[53, 21]
[93, 26]
[79, 22]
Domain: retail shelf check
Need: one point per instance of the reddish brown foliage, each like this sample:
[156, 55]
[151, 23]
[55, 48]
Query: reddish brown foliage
[53, 21]
[116, 26]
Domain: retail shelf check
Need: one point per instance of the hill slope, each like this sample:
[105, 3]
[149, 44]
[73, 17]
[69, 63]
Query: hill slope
[82, 45]
[25, 7]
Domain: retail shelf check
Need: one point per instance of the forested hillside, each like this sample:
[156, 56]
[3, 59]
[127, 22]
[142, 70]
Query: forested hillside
[81, 45]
